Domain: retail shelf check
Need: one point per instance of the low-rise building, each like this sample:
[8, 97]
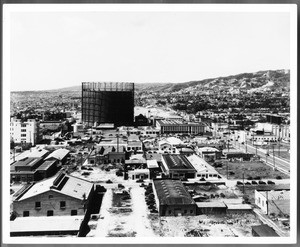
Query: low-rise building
[172, 198]
[273, 202]
[59, 195]
[25, 170]
[204, 170]
[45, 226]
[263, 231]
[177, 166]
[179, 126]
[25, 132]
[139, 174]
[61, 155]
[213, 207]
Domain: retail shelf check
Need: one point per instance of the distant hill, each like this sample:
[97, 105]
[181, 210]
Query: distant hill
[267, 80]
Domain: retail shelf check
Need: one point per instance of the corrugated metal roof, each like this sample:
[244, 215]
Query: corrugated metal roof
[238, 206]
[172, 192]
[213, 204]
[58, 154]
[178, 162]
[68, 185]
[46, 165]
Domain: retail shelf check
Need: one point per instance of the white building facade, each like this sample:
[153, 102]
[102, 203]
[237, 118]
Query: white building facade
[24, 132]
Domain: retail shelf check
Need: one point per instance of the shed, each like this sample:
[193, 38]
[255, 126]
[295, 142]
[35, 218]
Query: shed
[263, 231]
[213, 207]
[39, 226]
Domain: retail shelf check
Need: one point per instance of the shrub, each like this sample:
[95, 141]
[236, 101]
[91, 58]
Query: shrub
[278, 177]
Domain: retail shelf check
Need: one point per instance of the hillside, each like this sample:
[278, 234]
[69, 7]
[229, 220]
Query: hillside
[268, 80]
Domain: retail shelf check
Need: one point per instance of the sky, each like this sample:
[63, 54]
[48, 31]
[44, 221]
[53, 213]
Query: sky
[51, 50]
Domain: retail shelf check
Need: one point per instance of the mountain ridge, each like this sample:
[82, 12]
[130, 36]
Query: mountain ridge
[263, 80]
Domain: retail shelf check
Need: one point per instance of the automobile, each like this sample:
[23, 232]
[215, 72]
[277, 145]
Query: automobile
[109, 181]
[121, 186]
[261, 182]
[140, 181]
[239, 183]
[154, 211]
[270, 182]
[247, 183]
[254, 182]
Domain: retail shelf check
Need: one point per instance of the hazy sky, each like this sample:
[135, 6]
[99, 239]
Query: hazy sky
[59, 49]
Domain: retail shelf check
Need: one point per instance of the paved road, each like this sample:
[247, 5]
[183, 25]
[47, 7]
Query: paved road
[273, 161]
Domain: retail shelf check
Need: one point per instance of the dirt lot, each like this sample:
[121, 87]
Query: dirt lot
[204, 225]
[251, 169]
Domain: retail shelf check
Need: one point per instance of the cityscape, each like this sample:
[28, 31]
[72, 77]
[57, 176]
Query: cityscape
[228, 167]
[208, 157]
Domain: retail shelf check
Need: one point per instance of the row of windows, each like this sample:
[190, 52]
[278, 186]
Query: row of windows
[49, 213]
[23, 135]
[62, 204]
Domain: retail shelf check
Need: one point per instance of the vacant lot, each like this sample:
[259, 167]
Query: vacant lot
[204, 225]
[251, 170]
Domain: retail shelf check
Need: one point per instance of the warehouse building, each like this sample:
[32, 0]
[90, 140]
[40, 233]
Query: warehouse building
[177, 166]
[172, 198]
[59, 195]
[179, 126]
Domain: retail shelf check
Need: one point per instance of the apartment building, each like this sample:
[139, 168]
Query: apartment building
[25, 132]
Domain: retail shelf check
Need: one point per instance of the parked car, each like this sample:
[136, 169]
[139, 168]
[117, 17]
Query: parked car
[270, 182]
[254, 182]
[261, 182]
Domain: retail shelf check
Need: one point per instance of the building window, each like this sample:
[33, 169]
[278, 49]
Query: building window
[63, 204]
[23, 135]
[23, 125]
[191, 211]
[50, 196]
[73, 212]
[23, 130]
[25, 213]
[50, 213]
[185, 211]
[170, 211]
[37, 205]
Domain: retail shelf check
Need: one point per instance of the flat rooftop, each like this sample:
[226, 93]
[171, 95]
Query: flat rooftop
[46, 224]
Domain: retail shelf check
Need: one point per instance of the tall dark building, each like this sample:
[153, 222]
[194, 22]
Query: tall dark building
[274, 119]
[108, 102]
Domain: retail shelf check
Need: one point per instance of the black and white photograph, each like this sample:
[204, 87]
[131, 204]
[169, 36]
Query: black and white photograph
[149, 123]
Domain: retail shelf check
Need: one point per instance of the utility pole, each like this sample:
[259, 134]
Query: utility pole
[227, 169]
[274, 158]
[243, 179]
[279, 130]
